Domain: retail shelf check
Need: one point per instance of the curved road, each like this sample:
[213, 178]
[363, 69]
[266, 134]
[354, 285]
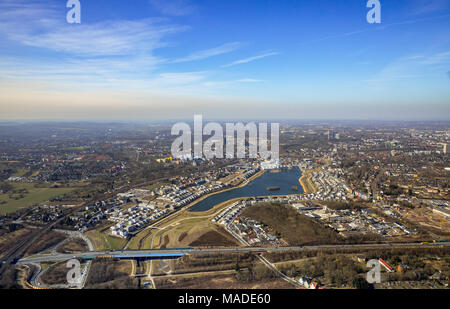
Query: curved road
[146, 253]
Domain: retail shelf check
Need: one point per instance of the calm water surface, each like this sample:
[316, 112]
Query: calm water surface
[285, 179]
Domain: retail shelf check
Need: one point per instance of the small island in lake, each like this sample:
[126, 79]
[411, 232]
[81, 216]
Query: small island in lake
[294, 188]
[274, 188]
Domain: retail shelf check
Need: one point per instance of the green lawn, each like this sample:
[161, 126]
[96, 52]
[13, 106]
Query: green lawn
[115, 242]
[20, 172]
[103, 241]
[33, 196]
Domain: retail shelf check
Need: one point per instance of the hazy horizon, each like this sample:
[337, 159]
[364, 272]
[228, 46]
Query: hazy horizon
[225, 59]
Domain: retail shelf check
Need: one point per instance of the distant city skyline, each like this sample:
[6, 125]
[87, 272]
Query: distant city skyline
[171, 59]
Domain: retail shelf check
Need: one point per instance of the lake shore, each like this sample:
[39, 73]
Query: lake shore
[258, 188]
[305, 182]
[243, 184]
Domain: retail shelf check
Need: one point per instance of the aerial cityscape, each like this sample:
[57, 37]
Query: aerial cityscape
[112, 196]
[319, 164]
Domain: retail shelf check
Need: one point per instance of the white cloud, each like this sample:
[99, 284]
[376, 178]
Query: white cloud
[118, 53]
[109, 54]
[246, 60]
[249, 80]
[376, 28]
[95, 60]
[203, 54]
[179, 78]
[231, 82]
[39, 25]
[439, 58]
[104, 39]
[174, 7]
[421, 7]
[98, 70]
[413, 66]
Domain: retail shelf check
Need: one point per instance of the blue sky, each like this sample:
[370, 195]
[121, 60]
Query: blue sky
[225, 59]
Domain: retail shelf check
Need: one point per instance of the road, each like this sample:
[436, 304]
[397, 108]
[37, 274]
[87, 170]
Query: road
[20, 248]
[272, 267]
[279, 273]
[144, 253]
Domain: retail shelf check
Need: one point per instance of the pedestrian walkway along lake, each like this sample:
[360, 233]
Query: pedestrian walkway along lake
[285, 179]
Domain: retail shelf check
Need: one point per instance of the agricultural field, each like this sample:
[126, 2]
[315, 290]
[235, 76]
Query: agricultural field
[23, 195]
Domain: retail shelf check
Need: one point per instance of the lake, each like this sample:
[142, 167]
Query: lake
[284, 179]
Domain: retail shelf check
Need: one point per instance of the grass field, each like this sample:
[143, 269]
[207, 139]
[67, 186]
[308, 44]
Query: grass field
[170, 237]
[115, 242]
[12, 202]
[102, 241]
[179, 218]
[185, 228]
[188, 232]
[217, 237]
[20, 172]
